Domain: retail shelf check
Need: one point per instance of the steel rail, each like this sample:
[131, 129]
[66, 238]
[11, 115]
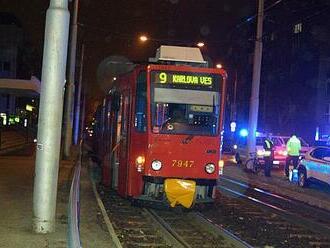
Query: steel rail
[266, 192]
[214, 228]
[290, 216]
[114, 237]
[73, 238]
[285, 199]
[288, 199]
[167, 232]
[202, 223]
[115, 242]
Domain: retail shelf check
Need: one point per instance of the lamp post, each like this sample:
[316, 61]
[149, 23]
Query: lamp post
[254, 101]
[69, 91]
[50, 117]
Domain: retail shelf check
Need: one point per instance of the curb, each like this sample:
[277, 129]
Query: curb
[107, 221]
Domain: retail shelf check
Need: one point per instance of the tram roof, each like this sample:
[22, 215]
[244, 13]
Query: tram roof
[179, 54]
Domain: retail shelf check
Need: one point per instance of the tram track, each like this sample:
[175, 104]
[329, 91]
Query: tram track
[192, 230]
[270, 219]
[310, 215]
[141, 227]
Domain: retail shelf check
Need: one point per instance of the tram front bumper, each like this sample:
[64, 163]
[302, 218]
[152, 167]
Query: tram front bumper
[179, 191]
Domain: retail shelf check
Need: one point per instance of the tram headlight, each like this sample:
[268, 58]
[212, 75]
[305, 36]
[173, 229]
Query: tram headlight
[156, 165]
[210, 168]
[139, 162]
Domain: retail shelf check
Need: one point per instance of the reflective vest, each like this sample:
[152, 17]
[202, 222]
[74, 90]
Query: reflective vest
[293, 146]
[268, 145]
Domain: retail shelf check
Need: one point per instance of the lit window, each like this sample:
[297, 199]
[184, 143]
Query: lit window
[297, 28]
[272, 36]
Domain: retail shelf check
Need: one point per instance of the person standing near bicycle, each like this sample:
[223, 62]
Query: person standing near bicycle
[293, 147]
[268, 155]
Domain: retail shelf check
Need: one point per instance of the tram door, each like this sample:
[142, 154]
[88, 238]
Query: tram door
[123, 146]
[117, 102]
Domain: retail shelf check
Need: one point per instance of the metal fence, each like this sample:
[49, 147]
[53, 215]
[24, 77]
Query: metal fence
[74, 206]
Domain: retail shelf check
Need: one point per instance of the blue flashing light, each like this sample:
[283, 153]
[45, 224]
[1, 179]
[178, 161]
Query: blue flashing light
[243, 132]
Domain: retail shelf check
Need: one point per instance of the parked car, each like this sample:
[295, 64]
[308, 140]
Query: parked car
[315, 166]
[282, 140]
[280, 152]
[241, 148]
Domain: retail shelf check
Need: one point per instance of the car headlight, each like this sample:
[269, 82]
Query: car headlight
[260, 152]
[156, 165]
[210, 168]
[267, 153]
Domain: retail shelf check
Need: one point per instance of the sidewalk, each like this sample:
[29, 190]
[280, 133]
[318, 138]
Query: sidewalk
[10, 140]
[16, 192]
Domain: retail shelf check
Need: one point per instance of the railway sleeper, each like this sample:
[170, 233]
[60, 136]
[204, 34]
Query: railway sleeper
[137, 244]
[142, 236]
[303, 236]
[319, 243]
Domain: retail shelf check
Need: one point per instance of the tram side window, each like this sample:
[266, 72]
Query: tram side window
[141, 103]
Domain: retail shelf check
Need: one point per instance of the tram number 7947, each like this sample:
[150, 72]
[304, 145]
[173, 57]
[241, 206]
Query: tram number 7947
[182, 163]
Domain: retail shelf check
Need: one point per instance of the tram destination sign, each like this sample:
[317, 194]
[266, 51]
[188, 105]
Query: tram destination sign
[197, 79]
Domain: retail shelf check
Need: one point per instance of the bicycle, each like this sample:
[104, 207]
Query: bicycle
[253, 164]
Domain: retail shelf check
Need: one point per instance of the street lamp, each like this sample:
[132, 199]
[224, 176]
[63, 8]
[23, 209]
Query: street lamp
[219, 66]
[200, 44]
[143, 38]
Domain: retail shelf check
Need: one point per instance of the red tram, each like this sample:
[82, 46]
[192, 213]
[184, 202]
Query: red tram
[160, 131]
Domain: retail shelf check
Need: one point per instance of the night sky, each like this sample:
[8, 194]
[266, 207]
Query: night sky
[112, 27]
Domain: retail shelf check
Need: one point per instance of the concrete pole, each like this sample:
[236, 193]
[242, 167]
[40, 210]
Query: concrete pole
[82, 120]
[254, 101]
[78, 100]
[69, 92]
[50, 116]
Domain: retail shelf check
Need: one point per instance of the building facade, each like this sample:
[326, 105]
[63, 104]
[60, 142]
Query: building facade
[10, 41]
[295, 75]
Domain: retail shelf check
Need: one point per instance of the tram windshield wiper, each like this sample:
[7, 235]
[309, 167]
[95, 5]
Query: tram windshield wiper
[164, 123]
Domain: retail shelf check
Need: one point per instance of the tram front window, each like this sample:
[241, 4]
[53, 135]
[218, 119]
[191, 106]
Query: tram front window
[193, 115]
[185, 102]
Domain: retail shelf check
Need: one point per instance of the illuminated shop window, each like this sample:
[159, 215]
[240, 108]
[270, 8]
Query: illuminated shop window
[297, 28]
